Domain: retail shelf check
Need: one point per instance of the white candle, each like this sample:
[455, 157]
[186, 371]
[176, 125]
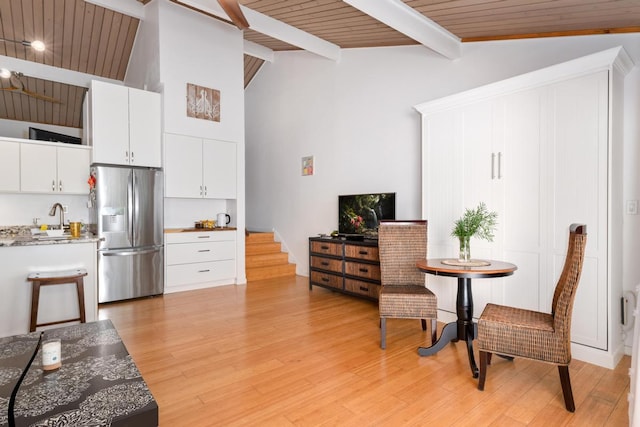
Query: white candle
[51, 355]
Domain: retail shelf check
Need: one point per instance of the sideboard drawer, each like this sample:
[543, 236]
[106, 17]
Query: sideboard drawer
[327, 264]
[369, 271]
[327, 248]
[363, 288]
[369, 253]
[185, 253]
[326, 279]
[183, 274]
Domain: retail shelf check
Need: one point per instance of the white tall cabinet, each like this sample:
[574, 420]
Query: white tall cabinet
[544, 151]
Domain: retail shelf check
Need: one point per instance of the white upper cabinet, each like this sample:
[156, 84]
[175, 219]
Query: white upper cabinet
[124, 125]
[183, 166]
[199, 168]
[54, 169]
[9, 166]
[219, 169]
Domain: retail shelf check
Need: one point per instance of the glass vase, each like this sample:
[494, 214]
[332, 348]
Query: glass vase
[465, 249]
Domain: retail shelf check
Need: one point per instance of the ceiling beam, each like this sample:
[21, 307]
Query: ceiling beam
[47, 72]
[258, 51]
[272, 28]
[131, 8]
[397, 15]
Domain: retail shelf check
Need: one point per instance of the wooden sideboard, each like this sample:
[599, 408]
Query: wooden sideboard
[347, 266]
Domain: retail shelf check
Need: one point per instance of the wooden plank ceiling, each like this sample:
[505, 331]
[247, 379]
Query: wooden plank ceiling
[90, 39]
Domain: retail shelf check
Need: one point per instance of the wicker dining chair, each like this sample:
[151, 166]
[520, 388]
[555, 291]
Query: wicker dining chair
[403, 293]
[545, 337]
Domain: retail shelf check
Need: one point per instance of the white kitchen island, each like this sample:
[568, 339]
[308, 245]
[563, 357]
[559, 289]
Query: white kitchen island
[56, 302]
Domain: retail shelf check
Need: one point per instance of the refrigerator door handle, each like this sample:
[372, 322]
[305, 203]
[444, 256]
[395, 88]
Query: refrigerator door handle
[129, 253]
[130, 185]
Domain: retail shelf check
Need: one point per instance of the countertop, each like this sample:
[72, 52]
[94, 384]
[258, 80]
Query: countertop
[26, 240]
[192, 229]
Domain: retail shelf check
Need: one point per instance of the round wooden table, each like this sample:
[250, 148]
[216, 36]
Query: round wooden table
[464, 328]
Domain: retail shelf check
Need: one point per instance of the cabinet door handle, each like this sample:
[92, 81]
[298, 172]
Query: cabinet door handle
[325, 263]
[204, 271]
[325, 279]
[204, 250]
[60, 186]
[53, 185]
[324, 247]
[126, 156]
[205, 190]
[201, 190]
[499, 165]
[132, 157]
[362, 288]
[364, 270]
[364, 252]
[493, 165]
[206, 236]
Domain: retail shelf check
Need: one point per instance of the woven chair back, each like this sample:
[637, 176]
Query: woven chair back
[401, 244]
[567, 285]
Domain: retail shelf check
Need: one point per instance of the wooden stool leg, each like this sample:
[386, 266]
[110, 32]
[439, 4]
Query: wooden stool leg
[80, 289]
[35, 299]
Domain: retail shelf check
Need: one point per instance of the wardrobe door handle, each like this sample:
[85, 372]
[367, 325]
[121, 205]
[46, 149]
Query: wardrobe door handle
[493, 165]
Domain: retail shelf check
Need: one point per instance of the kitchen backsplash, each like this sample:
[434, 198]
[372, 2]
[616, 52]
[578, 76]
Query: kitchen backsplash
[21, 209]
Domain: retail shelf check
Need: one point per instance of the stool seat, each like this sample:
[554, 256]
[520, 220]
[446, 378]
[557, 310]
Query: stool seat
[46, 278]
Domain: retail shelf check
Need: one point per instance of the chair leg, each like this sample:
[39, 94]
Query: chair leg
[484, 360]
[434, 331]
[566, 388]
[35, 301]
[383, 333]
[424, 324]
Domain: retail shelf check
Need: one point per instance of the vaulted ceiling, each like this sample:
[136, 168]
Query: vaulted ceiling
[95, 37]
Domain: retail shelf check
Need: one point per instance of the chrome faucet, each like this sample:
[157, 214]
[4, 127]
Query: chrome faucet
[52, 212]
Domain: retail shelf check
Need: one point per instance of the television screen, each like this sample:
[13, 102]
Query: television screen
[361, 213]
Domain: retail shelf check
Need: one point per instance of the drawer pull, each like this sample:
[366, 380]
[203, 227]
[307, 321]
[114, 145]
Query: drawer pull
[362, 288]
[325, 263]
[204, 237]
[324, 247]
[364, 252]
[204, 271]
[325, 279]
[364, 270]
[204, 250]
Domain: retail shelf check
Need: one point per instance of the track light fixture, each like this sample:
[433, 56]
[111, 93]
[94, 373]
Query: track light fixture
[36, 45]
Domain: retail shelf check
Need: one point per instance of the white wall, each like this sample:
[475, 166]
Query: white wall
[21, 209]
[356, 117]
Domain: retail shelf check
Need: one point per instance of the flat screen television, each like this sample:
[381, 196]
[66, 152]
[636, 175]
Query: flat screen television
[361, 213]
[45, 135]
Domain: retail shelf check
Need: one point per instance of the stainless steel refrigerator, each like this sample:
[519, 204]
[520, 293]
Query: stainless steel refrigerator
[127, 214]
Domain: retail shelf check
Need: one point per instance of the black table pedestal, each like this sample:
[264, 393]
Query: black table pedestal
[463, 329]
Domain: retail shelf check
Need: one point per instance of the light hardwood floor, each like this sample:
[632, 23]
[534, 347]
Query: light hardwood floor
[274, 353]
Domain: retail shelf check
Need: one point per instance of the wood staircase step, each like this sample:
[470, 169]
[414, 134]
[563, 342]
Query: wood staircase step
[269, 272]
[262, 248]
[265, 259]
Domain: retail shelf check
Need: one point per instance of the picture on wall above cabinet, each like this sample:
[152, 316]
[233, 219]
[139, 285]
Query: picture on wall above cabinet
[203, 102]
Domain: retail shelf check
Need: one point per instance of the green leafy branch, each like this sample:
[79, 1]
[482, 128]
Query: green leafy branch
[478, 222]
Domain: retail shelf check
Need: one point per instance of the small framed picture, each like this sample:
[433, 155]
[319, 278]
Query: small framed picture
[307, 166]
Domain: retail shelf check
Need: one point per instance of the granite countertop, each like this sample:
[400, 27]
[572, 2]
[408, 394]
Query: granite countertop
[21, 236]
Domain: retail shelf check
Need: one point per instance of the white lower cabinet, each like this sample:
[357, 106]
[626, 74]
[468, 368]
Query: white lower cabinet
[197, 260]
